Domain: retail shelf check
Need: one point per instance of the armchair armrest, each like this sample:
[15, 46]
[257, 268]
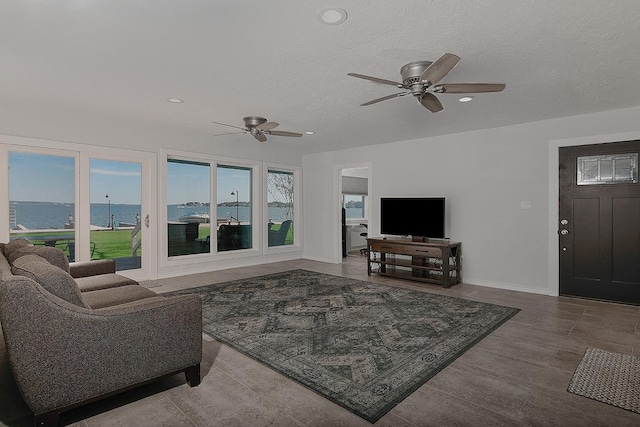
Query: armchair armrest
[62, 354]
[92, 268]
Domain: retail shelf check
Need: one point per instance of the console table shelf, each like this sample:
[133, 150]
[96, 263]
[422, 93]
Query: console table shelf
[425, 260]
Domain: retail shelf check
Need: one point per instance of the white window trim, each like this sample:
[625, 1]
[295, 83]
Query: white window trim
[80, 152]
[169, 264]
[297, 208]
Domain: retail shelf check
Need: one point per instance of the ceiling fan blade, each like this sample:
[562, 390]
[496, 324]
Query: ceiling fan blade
[261, 137]
[375, 79]
[228, 133]
[384, 98]
[268, 126]
[431, 103]
[440, 68]
[284, 133]
[232, 126]
[470, 87]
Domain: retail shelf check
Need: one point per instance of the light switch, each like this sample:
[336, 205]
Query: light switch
[525, 204]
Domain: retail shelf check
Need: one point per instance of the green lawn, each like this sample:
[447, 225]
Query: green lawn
[105, 244]
[108, 244]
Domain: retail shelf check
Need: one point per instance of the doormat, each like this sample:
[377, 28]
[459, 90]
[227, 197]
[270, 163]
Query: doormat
[361, 345]
[612, 378]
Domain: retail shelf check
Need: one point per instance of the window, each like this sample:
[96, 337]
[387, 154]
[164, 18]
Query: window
[188, 207]
[354, 194]
[42, 199]
[233, 212]
[608, 169]
[280, 207]
[354, 206]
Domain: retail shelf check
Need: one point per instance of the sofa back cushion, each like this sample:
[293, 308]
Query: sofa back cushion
[15, 244]
[50, 277]
[53, 255]
[5, 268]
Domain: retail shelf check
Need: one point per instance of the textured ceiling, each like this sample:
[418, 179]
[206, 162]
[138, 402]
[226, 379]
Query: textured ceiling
[121, 59]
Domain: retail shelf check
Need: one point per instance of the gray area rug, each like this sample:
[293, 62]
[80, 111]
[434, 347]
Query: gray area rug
[361, 345]
[612, 378]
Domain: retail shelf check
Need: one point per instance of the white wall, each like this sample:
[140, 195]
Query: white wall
[484, 175]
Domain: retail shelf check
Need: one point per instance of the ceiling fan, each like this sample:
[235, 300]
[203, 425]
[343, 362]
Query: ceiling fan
[420, 79]
[259, 128]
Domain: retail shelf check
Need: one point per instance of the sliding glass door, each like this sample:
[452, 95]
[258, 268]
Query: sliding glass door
[42, 197]
[115, 212]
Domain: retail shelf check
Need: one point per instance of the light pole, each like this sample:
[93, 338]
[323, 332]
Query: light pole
[235, 193]
[109, 217]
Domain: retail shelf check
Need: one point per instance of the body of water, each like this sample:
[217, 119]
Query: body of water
[39, 215]
[353, 212]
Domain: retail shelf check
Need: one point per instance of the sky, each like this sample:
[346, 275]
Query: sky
[190, 182]
[47, 178]
[41, 178]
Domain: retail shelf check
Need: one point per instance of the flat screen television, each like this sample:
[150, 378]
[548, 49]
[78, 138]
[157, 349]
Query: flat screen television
[412, 216]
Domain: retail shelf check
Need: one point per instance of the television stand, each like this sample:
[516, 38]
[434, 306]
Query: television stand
[423, 260]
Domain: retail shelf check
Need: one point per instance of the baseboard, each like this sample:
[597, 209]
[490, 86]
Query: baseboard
[507, 286]
[312, 258]
[207, 267]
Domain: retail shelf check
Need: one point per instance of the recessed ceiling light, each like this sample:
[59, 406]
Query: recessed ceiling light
[466, 99]
[175, 100]
[309, 133]
[332, 16]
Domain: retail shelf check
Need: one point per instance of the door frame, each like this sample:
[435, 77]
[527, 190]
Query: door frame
[553, 250]
[337, 197]
[148, 206]
[79, 152]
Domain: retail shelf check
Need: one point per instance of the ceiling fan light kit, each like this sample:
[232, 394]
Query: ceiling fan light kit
[420, 79]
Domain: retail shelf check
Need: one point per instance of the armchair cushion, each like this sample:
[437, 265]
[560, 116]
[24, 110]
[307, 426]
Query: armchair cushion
[92, 268]
[50, 277]
[115, 296]
[103, 281]
[53, 255]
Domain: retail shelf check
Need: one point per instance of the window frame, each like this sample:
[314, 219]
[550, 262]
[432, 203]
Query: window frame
[364, 207]
[166, 262]
[297, 208]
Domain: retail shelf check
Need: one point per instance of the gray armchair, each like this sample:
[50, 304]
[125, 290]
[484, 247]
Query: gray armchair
[64, 355]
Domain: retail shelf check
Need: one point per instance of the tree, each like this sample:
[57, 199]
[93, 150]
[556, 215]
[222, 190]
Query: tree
[280, 189]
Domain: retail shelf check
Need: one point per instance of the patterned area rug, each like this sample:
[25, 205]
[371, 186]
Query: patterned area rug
[608, 377]
[361, 345]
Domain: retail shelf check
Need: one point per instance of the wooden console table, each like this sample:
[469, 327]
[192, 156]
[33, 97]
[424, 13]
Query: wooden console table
[427, 260]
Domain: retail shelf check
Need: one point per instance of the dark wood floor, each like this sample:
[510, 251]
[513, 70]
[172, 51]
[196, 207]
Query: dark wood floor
[517, 376]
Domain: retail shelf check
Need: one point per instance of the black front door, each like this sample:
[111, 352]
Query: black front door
[599, 229]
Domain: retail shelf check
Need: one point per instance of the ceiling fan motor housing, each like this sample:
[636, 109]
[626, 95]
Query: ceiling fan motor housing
[253, 121]
[411, 73]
